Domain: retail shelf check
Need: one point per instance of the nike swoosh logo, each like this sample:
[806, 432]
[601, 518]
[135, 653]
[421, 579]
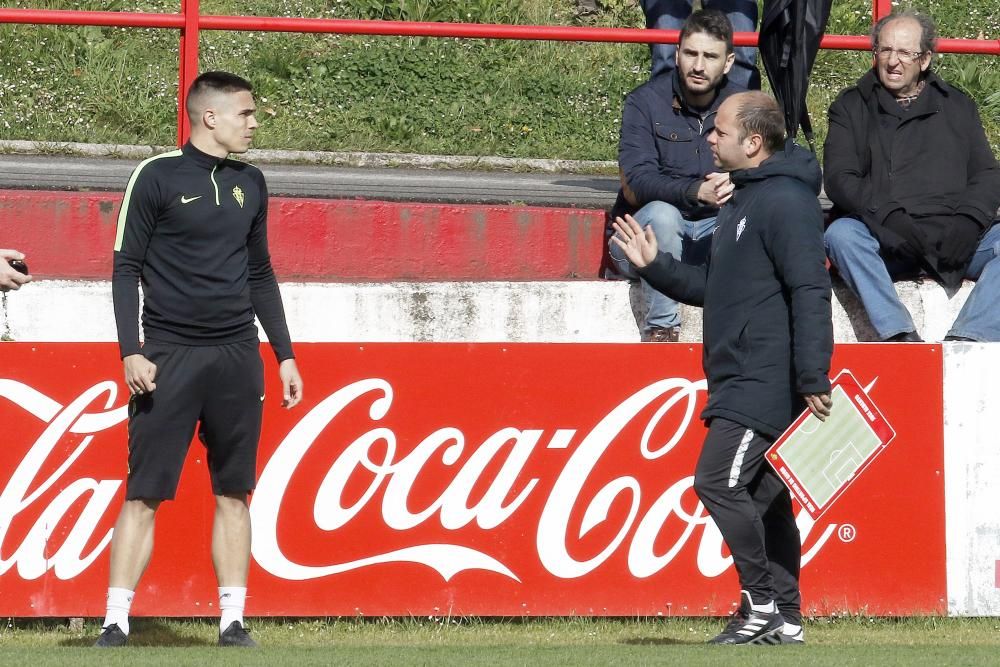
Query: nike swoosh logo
[262, 397]
[188, 200]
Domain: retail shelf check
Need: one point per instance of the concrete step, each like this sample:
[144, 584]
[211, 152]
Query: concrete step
[535, 311]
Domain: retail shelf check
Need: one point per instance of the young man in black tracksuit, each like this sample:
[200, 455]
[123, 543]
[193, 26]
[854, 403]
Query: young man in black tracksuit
[768, 338]
[193, 230]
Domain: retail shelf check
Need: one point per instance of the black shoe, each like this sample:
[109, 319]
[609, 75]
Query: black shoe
[236, 635]
[750, 627]
[111, 637]
[783, 638]
[738, 617]
[905, 337]
[960, 339]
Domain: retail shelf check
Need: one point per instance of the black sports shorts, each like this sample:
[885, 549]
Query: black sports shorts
[219, 388]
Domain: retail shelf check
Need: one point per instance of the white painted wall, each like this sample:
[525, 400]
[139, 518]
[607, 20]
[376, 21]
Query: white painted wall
[552, 311]
[972, 477]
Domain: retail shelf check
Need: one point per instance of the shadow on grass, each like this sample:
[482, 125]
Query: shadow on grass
[661, 641]
[147, 633]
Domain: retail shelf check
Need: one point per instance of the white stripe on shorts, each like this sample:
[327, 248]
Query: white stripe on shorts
[734, 472]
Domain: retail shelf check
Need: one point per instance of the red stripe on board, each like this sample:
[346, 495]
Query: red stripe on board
[71, 234]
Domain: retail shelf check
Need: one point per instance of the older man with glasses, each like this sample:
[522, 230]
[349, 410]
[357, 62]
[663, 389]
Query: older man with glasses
[915, 184]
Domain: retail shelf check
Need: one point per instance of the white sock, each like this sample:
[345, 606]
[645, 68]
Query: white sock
[232, 600]
[791, 629]
[119, 603]
[768, 607]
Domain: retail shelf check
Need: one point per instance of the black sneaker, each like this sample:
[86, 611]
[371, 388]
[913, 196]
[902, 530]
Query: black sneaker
[738, 617]
[111, 637]
[236, 635]
[783, 638]
[750, 627]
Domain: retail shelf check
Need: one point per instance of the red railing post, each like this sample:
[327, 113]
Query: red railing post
[880, 9]
[188, 68]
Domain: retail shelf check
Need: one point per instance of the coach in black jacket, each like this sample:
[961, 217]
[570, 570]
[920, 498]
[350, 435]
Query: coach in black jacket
[768, 338]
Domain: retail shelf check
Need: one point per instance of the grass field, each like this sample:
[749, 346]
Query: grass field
[408, 95]
[437, 641]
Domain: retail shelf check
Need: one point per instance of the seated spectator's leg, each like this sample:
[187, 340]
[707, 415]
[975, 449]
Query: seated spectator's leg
[667, 224]
[743, 15]
[664, 15]
[855, 252]
[697, 240]
[979, 318]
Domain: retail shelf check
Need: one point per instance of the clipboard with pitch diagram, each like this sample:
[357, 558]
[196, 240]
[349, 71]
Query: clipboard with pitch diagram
[818, 460]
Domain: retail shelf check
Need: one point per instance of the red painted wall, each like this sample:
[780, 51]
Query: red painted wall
[71, 234]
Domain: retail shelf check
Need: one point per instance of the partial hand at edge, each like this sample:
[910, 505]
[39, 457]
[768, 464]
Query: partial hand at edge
[291, 383]
[638, 244]
[11, 279]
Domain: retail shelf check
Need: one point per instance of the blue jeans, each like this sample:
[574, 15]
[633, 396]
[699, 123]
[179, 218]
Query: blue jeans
[671, 14]
[686, 240]
[855, 252]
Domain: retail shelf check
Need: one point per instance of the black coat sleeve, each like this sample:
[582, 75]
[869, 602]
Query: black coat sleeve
[845, 178]
[982, 196]
[681, 282]
[794, 241]
[264, 294]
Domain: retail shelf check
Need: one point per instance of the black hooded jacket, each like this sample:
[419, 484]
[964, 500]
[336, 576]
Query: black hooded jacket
[768, 330]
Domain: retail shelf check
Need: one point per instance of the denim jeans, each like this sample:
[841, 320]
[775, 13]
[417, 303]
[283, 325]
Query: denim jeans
[671, 14]
[686, 240]
[855, 252]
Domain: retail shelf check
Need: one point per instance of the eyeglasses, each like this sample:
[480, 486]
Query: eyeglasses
[908, 57]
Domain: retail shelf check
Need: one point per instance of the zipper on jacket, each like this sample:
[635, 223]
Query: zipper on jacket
[214, 184]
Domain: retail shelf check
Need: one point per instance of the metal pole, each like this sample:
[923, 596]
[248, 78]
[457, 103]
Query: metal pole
[188, 69]
[880, 9]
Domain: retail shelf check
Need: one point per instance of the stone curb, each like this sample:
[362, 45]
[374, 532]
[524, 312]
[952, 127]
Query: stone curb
[339, 159]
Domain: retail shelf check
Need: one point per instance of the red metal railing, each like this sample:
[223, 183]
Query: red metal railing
[190, 22]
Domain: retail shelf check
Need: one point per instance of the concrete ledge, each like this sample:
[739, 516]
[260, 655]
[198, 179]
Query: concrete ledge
[535, 311]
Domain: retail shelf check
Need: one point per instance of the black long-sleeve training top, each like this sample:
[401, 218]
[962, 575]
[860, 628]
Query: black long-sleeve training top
[193, 228]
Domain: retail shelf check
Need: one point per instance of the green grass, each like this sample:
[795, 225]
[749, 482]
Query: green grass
[386, 94]
[851, 640]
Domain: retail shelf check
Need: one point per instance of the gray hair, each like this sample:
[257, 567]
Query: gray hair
[928, 30]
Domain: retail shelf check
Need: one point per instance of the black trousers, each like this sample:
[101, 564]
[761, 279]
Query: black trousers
[753, 510]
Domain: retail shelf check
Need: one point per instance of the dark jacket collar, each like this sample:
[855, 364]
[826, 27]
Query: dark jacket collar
[201, 158]
[869, 85]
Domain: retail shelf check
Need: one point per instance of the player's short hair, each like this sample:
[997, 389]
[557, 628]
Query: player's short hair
[713, 23]
[759, 113]
[212, 82]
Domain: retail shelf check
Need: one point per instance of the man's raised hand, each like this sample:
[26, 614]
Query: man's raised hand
[638, 244]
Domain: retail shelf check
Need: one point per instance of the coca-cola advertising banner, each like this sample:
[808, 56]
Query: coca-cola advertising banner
[485, 479]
